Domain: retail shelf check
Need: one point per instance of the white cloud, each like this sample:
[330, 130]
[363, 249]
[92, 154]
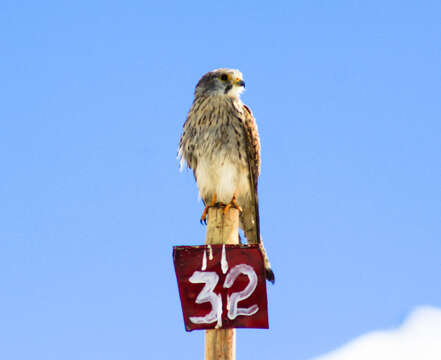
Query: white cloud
[418, 338]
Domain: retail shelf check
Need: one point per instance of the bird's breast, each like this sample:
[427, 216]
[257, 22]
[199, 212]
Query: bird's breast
[221, 176]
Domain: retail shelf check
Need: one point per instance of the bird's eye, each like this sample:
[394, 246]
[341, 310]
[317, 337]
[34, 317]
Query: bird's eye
[224, 77]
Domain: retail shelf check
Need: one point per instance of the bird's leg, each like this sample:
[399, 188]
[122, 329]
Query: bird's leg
[233, 203]
[207, 206]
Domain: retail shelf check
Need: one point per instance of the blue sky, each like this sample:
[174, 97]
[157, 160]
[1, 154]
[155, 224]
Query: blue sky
[94, 94]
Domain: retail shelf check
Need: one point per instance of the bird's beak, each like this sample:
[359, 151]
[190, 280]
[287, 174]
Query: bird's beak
[239, 82]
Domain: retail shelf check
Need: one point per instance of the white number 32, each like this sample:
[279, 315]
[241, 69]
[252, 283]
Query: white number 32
[210, 279]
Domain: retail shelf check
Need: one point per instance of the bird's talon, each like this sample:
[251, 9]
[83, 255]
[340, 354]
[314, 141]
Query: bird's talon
[232, 204]
[205, 212]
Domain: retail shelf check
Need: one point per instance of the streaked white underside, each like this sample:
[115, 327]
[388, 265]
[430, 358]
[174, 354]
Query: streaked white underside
[223, 177]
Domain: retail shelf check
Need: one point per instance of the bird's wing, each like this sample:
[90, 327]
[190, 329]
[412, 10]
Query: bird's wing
[252, 233]
[186, 145]
[253, 157]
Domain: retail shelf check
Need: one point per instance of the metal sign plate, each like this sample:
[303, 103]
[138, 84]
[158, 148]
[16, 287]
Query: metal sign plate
[221, 286]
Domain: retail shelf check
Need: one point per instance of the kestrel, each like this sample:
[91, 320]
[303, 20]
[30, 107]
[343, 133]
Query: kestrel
[220, 143]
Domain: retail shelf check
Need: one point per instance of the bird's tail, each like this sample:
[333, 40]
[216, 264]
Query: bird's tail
[268, 271]
[250, 224]
[251, 236]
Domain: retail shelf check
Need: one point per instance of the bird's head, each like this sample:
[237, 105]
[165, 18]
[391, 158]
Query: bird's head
[227, 82]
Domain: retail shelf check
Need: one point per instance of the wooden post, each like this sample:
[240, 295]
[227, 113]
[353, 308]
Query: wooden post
[220, 344]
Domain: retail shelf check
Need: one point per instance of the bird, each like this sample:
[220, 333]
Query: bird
[220, 143]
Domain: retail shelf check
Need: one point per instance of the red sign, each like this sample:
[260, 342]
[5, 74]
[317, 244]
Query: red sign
[221, 286]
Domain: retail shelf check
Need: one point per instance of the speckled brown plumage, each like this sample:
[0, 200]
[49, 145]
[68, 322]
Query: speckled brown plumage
[220, 143]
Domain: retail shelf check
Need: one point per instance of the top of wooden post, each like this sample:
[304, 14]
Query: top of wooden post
[220, 344]
[222, 228]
